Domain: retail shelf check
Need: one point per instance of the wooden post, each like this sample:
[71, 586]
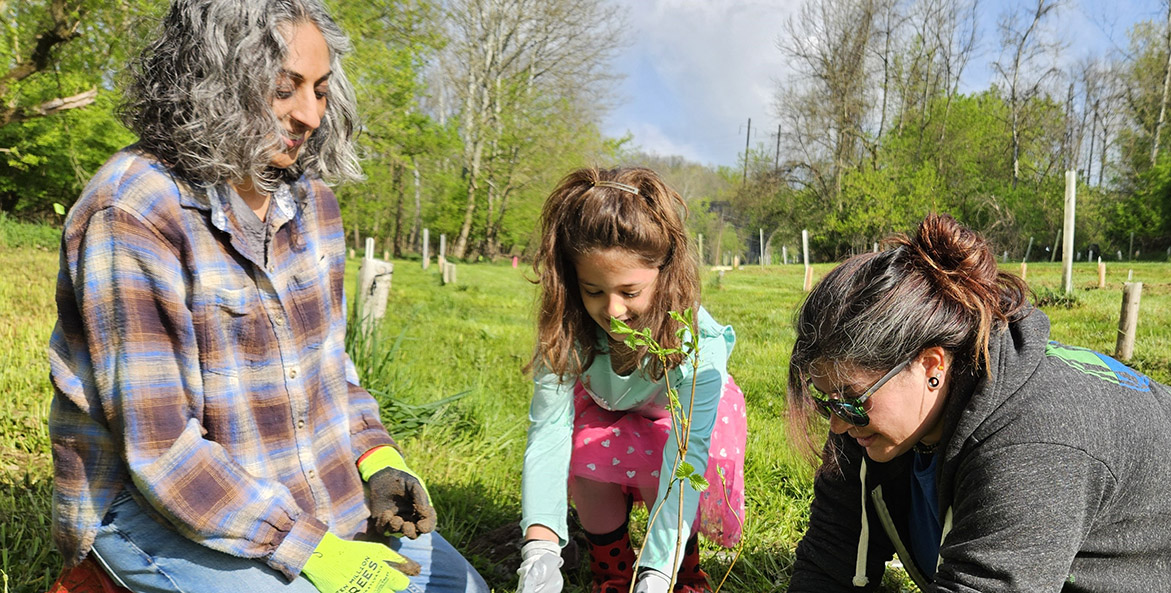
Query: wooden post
[1024, 270]
[448, 273]
[1128, 320]
[374, 278]
[805, 256]
[1056, 242]
[426, 248]
[1028, 250]
[805, 247]
[1101, 273]
[442, 246]
[735, 262]
[1068, 230]
[701, 260]
[762, 248]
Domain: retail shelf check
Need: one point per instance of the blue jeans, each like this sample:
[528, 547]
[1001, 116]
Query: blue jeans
[149, 558]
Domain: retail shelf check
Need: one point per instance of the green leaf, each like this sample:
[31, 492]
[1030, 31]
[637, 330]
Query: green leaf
[684, 471]
[698, 482]
[59, 209]
[619, 327]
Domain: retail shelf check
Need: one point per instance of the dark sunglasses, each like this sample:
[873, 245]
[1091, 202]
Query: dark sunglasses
[850, 410]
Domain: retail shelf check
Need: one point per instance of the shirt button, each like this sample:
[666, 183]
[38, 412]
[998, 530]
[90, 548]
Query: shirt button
[300, 424]
[312, 474]
[279, 321]
[293, 373]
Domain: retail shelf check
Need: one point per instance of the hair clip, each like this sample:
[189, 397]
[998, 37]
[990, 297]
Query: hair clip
[616, 185]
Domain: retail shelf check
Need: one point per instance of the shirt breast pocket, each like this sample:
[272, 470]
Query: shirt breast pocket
[232, 330]
[313, 306]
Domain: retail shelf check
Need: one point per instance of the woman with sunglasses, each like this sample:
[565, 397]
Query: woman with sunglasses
[988, 457]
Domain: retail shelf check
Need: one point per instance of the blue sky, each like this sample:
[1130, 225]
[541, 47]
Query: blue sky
[697, 70]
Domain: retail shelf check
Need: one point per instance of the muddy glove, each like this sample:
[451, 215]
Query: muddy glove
[540, 568]
[399, 501]
[652, 581]
[342, 566]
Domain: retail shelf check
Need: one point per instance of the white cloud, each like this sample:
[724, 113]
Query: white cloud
[711, 65]
[652, 140]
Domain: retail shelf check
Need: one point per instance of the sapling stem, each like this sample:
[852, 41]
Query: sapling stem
[681, 470]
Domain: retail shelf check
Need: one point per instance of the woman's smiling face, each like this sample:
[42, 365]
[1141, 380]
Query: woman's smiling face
[302, 91]
[904, 411]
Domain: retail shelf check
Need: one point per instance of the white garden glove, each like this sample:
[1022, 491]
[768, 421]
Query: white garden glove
[540, 568]
[652, 581]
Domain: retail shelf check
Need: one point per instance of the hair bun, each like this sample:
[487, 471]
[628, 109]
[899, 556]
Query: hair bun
[951, 254]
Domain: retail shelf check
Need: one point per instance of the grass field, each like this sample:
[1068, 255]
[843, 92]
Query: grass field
[472, 340]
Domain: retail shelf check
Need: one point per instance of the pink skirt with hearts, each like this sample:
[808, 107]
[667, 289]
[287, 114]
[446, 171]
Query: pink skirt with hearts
[626, 448]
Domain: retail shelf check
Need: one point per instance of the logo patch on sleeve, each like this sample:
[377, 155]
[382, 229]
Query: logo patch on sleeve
[1099, 365]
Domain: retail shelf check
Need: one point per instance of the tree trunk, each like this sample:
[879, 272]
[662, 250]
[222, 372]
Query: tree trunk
[417, 219]
[400, 210]
[1166, 89]
[1093, 141]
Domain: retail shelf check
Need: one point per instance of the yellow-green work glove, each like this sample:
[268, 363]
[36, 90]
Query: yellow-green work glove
[342, 566]
[399, 501]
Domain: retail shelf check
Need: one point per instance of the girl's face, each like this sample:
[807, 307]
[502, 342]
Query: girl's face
[301, 91]
[615, 283]
[903, 412]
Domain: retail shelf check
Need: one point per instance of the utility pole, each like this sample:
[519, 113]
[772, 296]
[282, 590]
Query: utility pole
[777, 158]
[747, 139]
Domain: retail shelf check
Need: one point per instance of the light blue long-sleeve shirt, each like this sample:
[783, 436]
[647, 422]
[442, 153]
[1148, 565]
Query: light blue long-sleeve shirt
[550, 436]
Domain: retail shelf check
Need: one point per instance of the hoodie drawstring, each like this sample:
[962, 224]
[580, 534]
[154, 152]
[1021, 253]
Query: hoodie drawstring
[860, 579]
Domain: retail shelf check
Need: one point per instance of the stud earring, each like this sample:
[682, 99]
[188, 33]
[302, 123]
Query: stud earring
[933, 382]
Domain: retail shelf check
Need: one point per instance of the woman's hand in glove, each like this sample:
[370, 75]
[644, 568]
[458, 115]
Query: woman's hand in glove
[399, 501]
[343, 566]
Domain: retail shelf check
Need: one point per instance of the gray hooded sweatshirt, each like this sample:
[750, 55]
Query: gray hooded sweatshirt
[1054, 475]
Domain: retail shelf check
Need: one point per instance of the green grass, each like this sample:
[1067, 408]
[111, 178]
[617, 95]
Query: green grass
[472, 339]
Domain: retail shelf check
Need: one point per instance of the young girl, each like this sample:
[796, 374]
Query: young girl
[613, 246]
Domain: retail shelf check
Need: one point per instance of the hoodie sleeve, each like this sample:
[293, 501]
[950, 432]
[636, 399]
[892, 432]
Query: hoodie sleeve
[829, 554]
[1020, 515]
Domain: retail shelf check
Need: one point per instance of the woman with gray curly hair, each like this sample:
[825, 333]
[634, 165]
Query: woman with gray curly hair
[208, 430]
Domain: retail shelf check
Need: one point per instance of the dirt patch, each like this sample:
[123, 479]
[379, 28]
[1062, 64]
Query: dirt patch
[502, 547]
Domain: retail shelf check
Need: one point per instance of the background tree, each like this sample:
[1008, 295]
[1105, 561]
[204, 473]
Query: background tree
[393, 39]
[1024, 46]
[58, 61]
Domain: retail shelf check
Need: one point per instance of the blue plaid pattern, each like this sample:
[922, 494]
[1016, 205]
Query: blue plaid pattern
[208, 380]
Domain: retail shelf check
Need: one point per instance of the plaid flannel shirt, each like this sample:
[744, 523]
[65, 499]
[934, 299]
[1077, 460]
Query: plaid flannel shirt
[215, 389]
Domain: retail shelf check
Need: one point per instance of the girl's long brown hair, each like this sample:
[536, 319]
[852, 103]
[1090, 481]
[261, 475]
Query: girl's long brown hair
[580, 217]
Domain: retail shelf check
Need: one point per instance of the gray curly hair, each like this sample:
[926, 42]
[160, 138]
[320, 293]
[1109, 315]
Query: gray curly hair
[200, 95]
